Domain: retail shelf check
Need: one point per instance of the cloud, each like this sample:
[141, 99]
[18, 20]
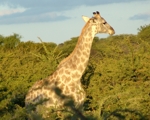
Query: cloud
[18, 19]
[142, 16]
[11, 11]
[58, 4]
[28, 11]
[17, 15]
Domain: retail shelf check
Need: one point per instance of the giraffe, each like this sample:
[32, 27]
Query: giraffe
[70, 70]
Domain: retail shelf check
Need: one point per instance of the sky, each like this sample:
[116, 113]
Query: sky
[60, 20]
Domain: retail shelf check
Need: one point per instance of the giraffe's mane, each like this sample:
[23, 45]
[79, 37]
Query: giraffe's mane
[79, 40]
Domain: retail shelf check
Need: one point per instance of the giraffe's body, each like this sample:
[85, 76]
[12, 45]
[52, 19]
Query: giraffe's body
[68, 73]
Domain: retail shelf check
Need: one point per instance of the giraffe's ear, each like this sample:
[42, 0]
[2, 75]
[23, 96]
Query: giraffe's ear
[86, 19]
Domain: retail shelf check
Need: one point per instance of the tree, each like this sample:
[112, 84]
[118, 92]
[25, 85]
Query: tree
[10, 42]
[144, 32]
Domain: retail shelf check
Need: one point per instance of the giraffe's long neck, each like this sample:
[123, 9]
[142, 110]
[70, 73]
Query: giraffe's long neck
[78, 59]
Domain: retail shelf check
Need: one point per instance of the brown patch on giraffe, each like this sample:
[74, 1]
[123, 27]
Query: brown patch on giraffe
[61, 71]
[82, 59]
[67, 79]
[89, 29]
[50, 101]
[72, 88]
[90, 34]
[74, 66]
[57, 79]
[86, 45]
[88, 50]
[81, 47]
[71, 64]
[70, 61]
[66, 90]
[74, 59]
[45, 87]
[87, 40]
[80, 68]
[85, 33]
[54, 75]
[76, 75]
[78, 87]
[61, 86]
[67, 72]
[71, 84]
[85, 54]
[50, 93]
[78, 61]
[78, 52]
[63, 77]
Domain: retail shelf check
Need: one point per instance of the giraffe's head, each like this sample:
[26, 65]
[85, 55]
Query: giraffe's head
[99, 23]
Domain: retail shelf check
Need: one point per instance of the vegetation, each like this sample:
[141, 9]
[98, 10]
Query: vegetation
[116, 81]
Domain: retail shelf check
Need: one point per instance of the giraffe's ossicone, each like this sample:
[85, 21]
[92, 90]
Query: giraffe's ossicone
[65, 83]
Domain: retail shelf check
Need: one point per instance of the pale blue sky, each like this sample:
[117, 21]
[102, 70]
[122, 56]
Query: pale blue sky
[59, 20]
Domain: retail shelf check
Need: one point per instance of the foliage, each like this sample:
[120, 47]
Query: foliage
[20, 67]
[116, 81]
[144, 32]
[9, 42]
[119, 82]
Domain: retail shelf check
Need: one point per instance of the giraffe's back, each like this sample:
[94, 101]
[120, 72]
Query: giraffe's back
[49, 93]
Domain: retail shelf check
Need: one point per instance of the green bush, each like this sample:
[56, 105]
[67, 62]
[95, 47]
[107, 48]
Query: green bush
[119, 80]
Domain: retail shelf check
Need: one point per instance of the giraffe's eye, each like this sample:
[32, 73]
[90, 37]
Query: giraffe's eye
[104, 23]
